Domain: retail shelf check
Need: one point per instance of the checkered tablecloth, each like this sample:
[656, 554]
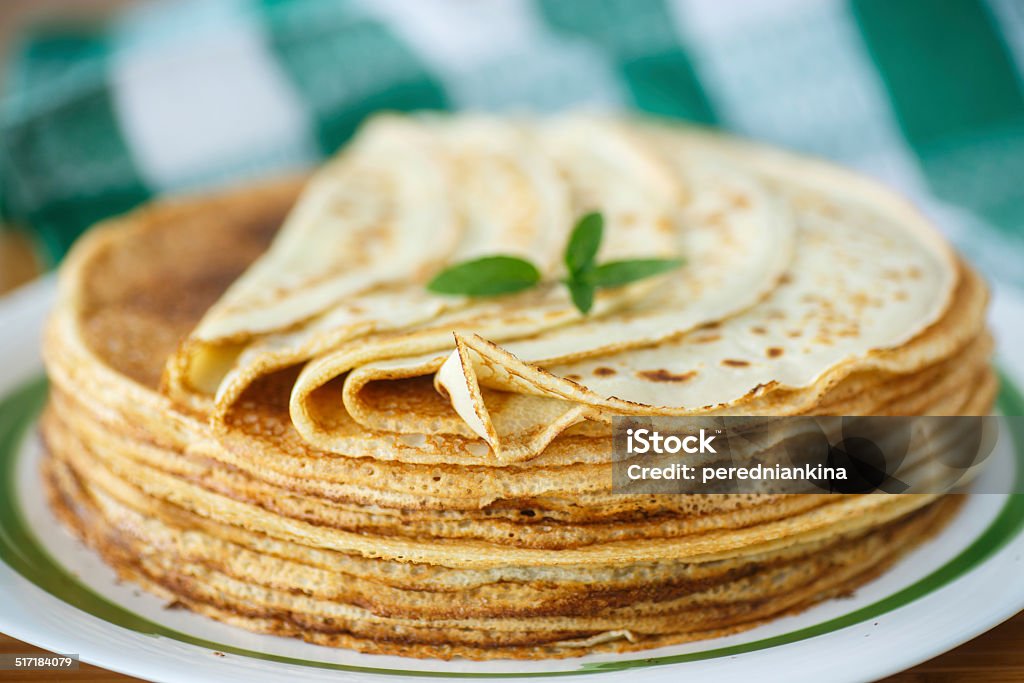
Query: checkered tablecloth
[925, 94]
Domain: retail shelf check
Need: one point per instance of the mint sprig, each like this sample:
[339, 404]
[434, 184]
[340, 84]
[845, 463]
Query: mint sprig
[618, 273]
[487, 276]
[583, 244]
[496, 275]
[582, 295]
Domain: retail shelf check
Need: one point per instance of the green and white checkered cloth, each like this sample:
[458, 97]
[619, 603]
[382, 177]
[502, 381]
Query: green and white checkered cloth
[925, 94]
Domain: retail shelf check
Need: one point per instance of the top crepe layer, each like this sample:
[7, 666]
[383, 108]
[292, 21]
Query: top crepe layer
[797, 275]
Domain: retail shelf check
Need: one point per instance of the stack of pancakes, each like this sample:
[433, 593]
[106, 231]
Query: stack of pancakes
[259, 412]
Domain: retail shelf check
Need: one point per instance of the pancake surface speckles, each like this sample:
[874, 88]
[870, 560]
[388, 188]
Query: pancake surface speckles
[257, 414]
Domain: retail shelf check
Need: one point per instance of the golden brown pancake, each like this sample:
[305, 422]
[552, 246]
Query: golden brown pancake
[415, 545]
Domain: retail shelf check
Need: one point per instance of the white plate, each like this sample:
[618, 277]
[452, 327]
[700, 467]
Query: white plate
[56, 594]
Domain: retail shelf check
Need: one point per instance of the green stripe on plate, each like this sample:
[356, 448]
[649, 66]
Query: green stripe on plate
[641, 38]
[346, 66]
[20, 550]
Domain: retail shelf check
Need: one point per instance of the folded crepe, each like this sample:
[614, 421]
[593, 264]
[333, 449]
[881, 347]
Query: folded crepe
[794, 270]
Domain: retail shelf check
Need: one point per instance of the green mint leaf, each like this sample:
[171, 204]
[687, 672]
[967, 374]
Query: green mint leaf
[583, 244]
[582, 294]
[618, 273]
[487, 276]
